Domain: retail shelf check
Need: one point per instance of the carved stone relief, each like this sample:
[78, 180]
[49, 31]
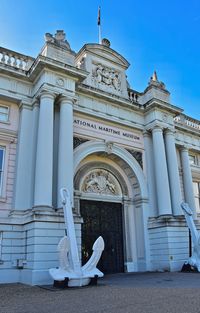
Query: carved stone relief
[137, 155]
[106, 76]
[101, 181]
[78, 141]
[60, 82]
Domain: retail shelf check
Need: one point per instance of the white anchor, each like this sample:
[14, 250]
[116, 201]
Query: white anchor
[194, 260]
[69, 262]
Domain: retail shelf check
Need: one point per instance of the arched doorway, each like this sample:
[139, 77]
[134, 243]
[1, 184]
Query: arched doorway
[110, 189]
[102, 215]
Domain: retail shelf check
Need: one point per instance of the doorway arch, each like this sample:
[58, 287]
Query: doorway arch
[120, 163]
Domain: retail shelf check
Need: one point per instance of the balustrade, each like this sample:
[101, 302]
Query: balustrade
[187, 121]
[133, 96]
[15, 60]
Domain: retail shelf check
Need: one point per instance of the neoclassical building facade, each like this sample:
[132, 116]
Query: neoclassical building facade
[128, 158]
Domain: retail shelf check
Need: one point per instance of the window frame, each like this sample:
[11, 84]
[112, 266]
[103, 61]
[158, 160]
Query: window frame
[2, 170]
[5, 145]
[1, 244]
[197, 195]
[192, 156]
[5, 114]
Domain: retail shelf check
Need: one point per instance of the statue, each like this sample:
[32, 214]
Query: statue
[194, 260]
[69, 262]
[58, 39]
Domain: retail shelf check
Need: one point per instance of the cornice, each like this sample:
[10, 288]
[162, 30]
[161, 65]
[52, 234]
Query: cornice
[108, 97]
[108, 118]
[41, 62]
[66, 69]
[185, 128]
[157, 103]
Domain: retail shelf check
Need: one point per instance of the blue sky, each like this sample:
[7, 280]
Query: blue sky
[152, 35]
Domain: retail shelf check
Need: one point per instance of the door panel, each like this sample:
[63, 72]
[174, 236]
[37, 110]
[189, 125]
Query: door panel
[103, 219]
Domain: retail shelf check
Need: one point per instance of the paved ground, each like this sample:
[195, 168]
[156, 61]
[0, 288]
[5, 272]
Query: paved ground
[121, 293]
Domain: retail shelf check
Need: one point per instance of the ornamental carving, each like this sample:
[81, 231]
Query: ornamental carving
[101, 182]
[137, 155]
[107, 77]
[78, 141]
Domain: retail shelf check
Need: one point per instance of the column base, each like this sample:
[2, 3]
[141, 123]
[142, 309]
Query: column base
[169, 244]
[42, 207]
[165, 216]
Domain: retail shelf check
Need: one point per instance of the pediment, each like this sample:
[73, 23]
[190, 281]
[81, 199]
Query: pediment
[104, 52]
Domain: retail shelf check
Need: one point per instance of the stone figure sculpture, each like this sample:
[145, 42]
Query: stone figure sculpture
[69, 263]
[107, 76]
[58, 39]
[194, 260]
[100, 184]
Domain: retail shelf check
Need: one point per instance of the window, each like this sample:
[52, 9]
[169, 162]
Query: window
[193, 159]
[4, 112]
[1, 239]
[2, 155]
[196, 187]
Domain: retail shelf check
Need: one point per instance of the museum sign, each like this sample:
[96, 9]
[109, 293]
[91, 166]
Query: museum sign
[107, 132]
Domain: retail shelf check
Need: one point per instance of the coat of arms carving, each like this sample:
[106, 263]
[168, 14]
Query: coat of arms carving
[101, 182]
[107, 76]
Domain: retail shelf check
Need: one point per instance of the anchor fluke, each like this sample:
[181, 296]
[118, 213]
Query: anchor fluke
[90, 267]
[99, 244]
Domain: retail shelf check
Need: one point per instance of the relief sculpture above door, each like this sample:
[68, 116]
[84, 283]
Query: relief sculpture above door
[100, 181]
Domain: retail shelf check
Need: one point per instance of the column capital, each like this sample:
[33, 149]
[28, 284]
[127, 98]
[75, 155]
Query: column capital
[46, 94]
[36, 103]
[146, 133]
[24, 105]
[157, 128]
[169, 131]
[66, 99]
[184, 148]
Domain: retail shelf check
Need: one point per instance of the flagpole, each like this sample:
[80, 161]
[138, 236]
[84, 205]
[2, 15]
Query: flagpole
[99, 34]
[99, 23]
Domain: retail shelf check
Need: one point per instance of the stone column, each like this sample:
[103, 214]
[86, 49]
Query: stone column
[162, 182]
[150, 173]
[44, 156]
[36, 110]
[23, 186]
[187, 180]
[173, 171]
[130, 235]
[65, 148]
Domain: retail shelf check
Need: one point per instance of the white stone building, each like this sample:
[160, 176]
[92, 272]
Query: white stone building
[128, 158]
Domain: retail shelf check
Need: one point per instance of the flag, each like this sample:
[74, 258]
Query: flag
[99, 17]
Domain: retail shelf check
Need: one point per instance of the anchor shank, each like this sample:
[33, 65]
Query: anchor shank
[69, 224]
